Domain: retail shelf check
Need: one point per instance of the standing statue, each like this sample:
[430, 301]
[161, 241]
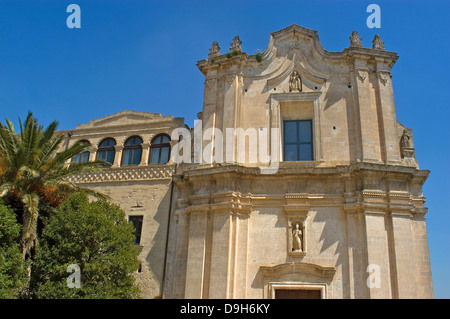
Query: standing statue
[295, 82]
[297, 238]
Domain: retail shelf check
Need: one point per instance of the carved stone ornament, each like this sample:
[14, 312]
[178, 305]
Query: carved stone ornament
[377, 44]
[215, 50]
[362, 74]
[295, 82]
[236, 44]
[355, 40]
[384, 77]
[230, 78]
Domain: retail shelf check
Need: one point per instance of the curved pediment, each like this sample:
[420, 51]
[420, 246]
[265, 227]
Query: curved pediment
[302, 67]
[299, 268]
[124, 117]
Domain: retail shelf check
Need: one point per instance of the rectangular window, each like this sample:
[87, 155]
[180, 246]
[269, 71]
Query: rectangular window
[298, 143]
[137, 222]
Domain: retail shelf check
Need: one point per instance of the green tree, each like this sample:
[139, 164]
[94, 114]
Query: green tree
[34, 173]
[13, 273]
[95, 236]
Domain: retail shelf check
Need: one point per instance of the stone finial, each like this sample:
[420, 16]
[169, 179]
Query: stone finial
[355, 40]
[215, 50]
[236, 44]
[377, 44]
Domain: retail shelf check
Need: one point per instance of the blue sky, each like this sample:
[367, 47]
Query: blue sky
[141, 55]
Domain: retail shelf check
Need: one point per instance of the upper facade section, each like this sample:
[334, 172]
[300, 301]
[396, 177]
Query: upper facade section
[127, 140]
[330, 108]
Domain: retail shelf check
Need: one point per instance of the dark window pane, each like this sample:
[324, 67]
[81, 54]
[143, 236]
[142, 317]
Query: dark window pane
[305, 152]
[110, 157]
[101, 155]
[165, 139]
[155, 155]
[126, 157]
[157, 140]
[137, 223]
[109, 142]
[290, 131]
[298, 140]
[84, 157]
[290, 152]
[136, 156]
[76, 158]
[304, 131]
[164, 155]
[133, 141]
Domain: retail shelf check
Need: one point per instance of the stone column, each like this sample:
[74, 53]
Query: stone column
[195, 266]
[145, 154]
[404, 254]
[378, 261]
[222, 256]
[421, 251]
[356, 265]
[367, 114]
[388, 114]
[118, 156]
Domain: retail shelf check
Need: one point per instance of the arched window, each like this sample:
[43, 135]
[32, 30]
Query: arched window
[82, 157]
[106, 150]
[160, 149]
[132, 151]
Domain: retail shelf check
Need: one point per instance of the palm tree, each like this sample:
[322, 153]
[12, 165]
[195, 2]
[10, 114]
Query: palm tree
[34, 174]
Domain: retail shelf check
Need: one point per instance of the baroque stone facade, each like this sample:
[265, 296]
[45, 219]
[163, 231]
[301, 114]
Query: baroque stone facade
[341, 215]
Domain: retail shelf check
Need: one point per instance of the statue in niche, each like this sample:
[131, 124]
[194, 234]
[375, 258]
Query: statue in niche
[406, 139]
[297, 238]
[295, 82]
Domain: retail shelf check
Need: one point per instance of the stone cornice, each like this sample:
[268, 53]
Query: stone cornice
[125, 174]
[302, 268]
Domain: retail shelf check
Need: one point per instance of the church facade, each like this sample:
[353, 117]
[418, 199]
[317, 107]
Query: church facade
[297, 181]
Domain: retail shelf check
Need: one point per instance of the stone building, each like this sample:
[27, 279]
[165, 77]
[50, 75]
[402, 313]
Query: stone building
[335, 209]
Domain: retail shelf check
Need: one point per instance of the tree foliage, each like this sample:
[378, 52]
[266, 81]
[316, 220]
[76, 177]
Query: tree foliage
[34, 173]
[95, 236]
[13, 272]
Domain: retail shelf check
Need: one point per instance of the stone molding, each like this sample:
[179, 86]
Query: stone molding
[302, 268]
[138, 173]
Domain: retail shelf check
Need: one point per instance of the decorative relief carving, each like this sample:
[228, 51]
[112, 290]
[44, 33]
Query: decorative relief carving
[384, 77]
[215, 50]
[377, 44]
[230, 78]
[121, 175]
[210, 83]
[355, 40]
[362, 74]
[236, 44]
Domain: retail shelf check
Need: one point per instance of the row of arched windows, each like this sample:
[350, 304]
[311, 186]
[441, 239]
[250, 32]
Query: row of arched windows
[132, 151]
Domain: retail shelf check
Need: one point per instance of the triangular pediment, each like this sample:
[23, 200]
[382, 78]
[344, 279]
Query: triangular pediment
[123, 118]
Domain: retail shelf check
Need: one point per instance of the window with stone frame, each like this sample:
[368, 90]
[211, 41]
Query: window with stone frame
[132, 151]
[82, 157]
[106, 150]
[160, 149]
[298, 140]
[137, 223]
